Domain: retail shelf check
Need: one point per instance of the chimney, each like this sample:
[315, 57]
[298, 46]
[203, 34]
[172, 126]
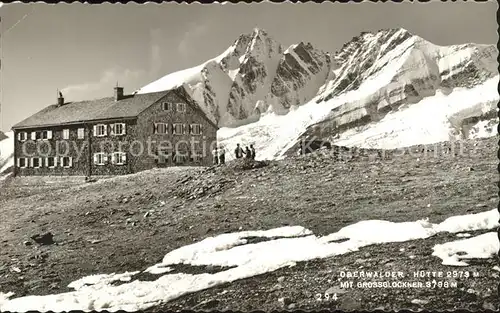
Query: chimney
[60, 99]
[118, 93]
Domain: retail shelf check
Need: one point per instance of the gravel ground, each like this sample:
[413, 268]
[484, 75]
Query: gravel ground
[129, 223]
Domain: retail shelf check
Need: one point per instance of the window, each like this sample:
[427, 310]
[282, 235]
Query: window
[36, 162]
[180, 157]
[22, 136]
[21, 163]
[36, 135]
[81, 133]
[178, 129]
[67, 162]
[41, 135]
[196, 158]
[65, 134]
[195, 129]
[119, 158]
[100, 130]
[181, 107]
[161, 128]
[100, 158]
[166, 106]
[46, 134]
[118, 129]
[50, 162]
[163, 156]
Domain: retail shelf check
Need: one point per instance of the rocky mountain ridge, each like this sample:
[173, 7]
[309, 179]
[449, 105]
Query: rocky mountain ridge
[253, 76]
[370, 88]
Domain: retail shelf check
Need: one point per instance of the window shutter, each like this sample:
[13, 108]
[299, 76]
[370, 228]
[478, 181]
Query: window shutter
[33, 135]
[113, 158]
[49, 134]
[191, 128]
[18, 162]
[155, 128]
[124, 158]
[30, 162]
[95, 158]
[173, 129]
[112, 129]
[184, 128]
[105, 130]
[124, 129]
[19, 137]
[61, 161]
[70, 161]
[55, 162]
[94, 130]
[201, 129]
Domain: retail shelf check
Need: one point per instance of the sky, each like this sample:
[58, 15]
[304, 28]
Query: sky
[85, 50]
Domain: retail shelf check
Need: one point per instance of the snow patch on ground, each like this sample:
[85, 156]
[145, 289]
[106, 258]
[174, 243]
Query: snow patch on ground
[295, 244]
[484, 129]
[4, 297]
[470, 222]
[158, 269]
[100, 281]
[478, 247]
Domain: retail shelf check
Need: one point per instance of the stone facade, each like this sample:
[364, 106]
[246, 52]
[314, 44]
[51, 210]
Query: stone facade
[161, 149]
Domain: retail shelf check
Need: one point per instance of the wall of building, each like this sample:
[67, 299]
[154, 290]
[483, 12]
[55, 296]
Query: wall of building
[55, 147]
[112, 143]
[200, 144]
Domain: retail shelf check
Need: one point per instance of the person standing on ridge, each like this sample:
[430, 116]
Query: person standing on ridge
[252, 149]
[238, 152]
[248, 153]
[222, 155]
[215, 154]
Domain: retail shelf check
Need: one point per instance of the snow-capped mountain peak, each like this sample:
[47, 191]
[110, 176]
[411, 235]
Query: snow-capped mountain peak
[360, 95]
[248, 79]
[386, 89]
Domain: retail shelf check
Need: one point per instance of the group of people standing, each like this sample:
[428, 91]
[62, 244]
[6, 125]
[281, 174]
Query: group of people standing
[219, 154]
[248, 152]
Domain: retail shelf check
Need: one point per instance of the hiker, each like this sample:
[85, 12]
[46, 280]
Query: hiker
[222, 155]
[248, 153]
[252, 149]
[216, 156]
[238, 152]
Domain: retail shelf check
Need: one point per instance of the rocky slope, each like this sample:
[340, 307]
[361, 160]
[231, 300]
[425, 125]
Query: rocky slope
[129, 223]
